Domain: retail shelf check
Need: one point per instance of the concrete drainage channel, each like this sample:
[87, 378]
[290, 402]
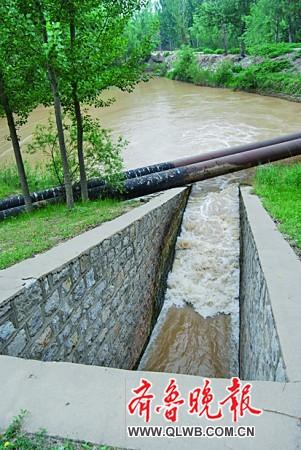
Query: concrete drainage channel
[94, 301]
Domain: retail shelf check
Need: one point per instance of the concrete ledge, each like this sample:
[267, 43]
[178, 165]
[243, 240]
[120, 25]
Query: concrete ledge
[89, 404]
[281, 269]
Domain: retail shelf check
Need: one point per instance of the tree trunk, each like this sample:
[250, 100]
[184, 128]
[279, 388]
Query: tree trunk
[58, 117]
[225, 38]
[80, 147]
[61, 135]
[290, 31]
[79, 123]
[16, 147]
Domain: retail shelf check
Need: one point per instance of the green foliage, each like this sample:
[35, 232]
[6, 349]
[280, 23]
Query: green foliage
[273, 50]
[20, 61]
[144, 24]
[38, 177]
[219, 23]
[103, 156]
[280, 188]
[188, 69]
[69, 52]
[182, 70]
[234, 51]
[221, 77]
[270, 77]
[176, 18]
[228, 24]
[159, 70]
[15, 439]
[272, 21]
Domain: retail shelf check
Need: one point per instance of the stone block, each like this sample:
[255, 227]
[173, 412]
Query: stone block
[85, 263]
[29, 298]
[79, 290]
[90, 279]
[35, 323]
[17, 345]
[7, 329]
[52, 303]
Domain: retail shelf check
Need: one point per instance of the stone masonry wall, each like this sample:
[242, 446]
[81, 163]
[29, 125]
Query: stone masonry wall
[260, 353]
[99, 307]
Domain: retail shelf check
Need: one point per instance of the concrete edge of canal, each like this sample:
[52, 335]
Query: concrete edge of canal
[90, 402]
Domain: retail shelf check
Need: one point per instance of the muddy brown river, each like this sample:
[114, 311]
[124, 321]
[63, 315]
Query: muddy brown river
[165, 119]
[197, 331]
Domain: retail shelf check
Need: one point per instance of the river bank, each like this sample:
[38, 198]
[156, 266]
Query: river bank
[265, 74]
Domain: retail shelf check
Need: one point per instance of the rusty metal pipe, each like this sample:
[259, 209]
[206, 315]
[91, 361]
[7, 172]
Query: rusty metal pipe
[58, 192]
[182, 176]
[186, 161]
[193, 173]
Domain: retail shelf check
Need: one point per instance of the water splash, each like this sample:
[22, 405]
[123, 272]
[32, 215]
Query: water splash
[204, 277]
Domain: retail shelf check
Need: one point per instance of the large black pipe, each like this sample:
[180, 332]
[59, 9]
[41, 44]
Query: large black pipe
[53, 193]
[193, 173]
[182, 176]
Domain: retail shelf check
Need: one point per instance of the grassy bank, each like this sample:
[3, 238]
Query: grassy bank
[37, 177]
[279, 186]
[14, 438]
[275, 74]
[28, 234]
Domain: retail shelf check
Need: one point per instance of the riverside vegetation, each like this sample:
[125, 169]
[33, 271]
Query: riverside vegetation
[26, 235]
[13, 438]
[275, 73]
[267, 31]
[279, 187]
[66, 54]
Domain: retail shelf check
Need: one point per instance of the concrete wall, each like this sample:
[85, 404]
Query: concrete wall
[92, 300]
[88, 404]
[270, 298]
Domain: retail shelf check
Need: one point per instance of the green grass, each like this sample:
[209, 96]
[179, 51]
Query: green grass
[279, 186]
[38, 180]
[273, 50]
[28, 234]
[14, 438]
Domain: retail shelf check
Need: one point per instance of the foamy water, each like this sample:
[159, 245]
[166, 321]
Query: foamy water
[205, 273]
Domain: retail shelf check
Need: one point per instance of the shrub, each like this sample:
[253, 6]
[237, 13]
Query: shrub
[234, 51]
[160, 70]
[207, 50]
[102, 154]
[219, 51]
[182, 68]
[270, 76]
[202, 77]
[224, 74]
[38, 178]
[273, 50]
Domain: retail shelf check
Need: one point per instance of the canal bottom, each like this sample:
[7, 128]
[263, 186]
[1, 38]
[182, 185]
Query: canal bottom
[197, 331]
[189, 344]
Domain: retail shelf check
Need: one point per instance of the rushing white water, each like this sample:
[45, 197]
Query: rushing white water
[205, 273]
[206, 267]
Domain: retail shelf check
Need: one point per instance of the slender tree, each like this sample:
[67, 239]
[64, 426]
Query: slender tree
[20, 78]
[97, 57]
[45, 18]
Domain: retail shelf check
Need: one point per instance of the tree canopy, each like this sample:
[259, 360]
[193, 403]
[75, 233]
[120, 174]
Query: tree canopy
[225, 24]
[66, 53]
